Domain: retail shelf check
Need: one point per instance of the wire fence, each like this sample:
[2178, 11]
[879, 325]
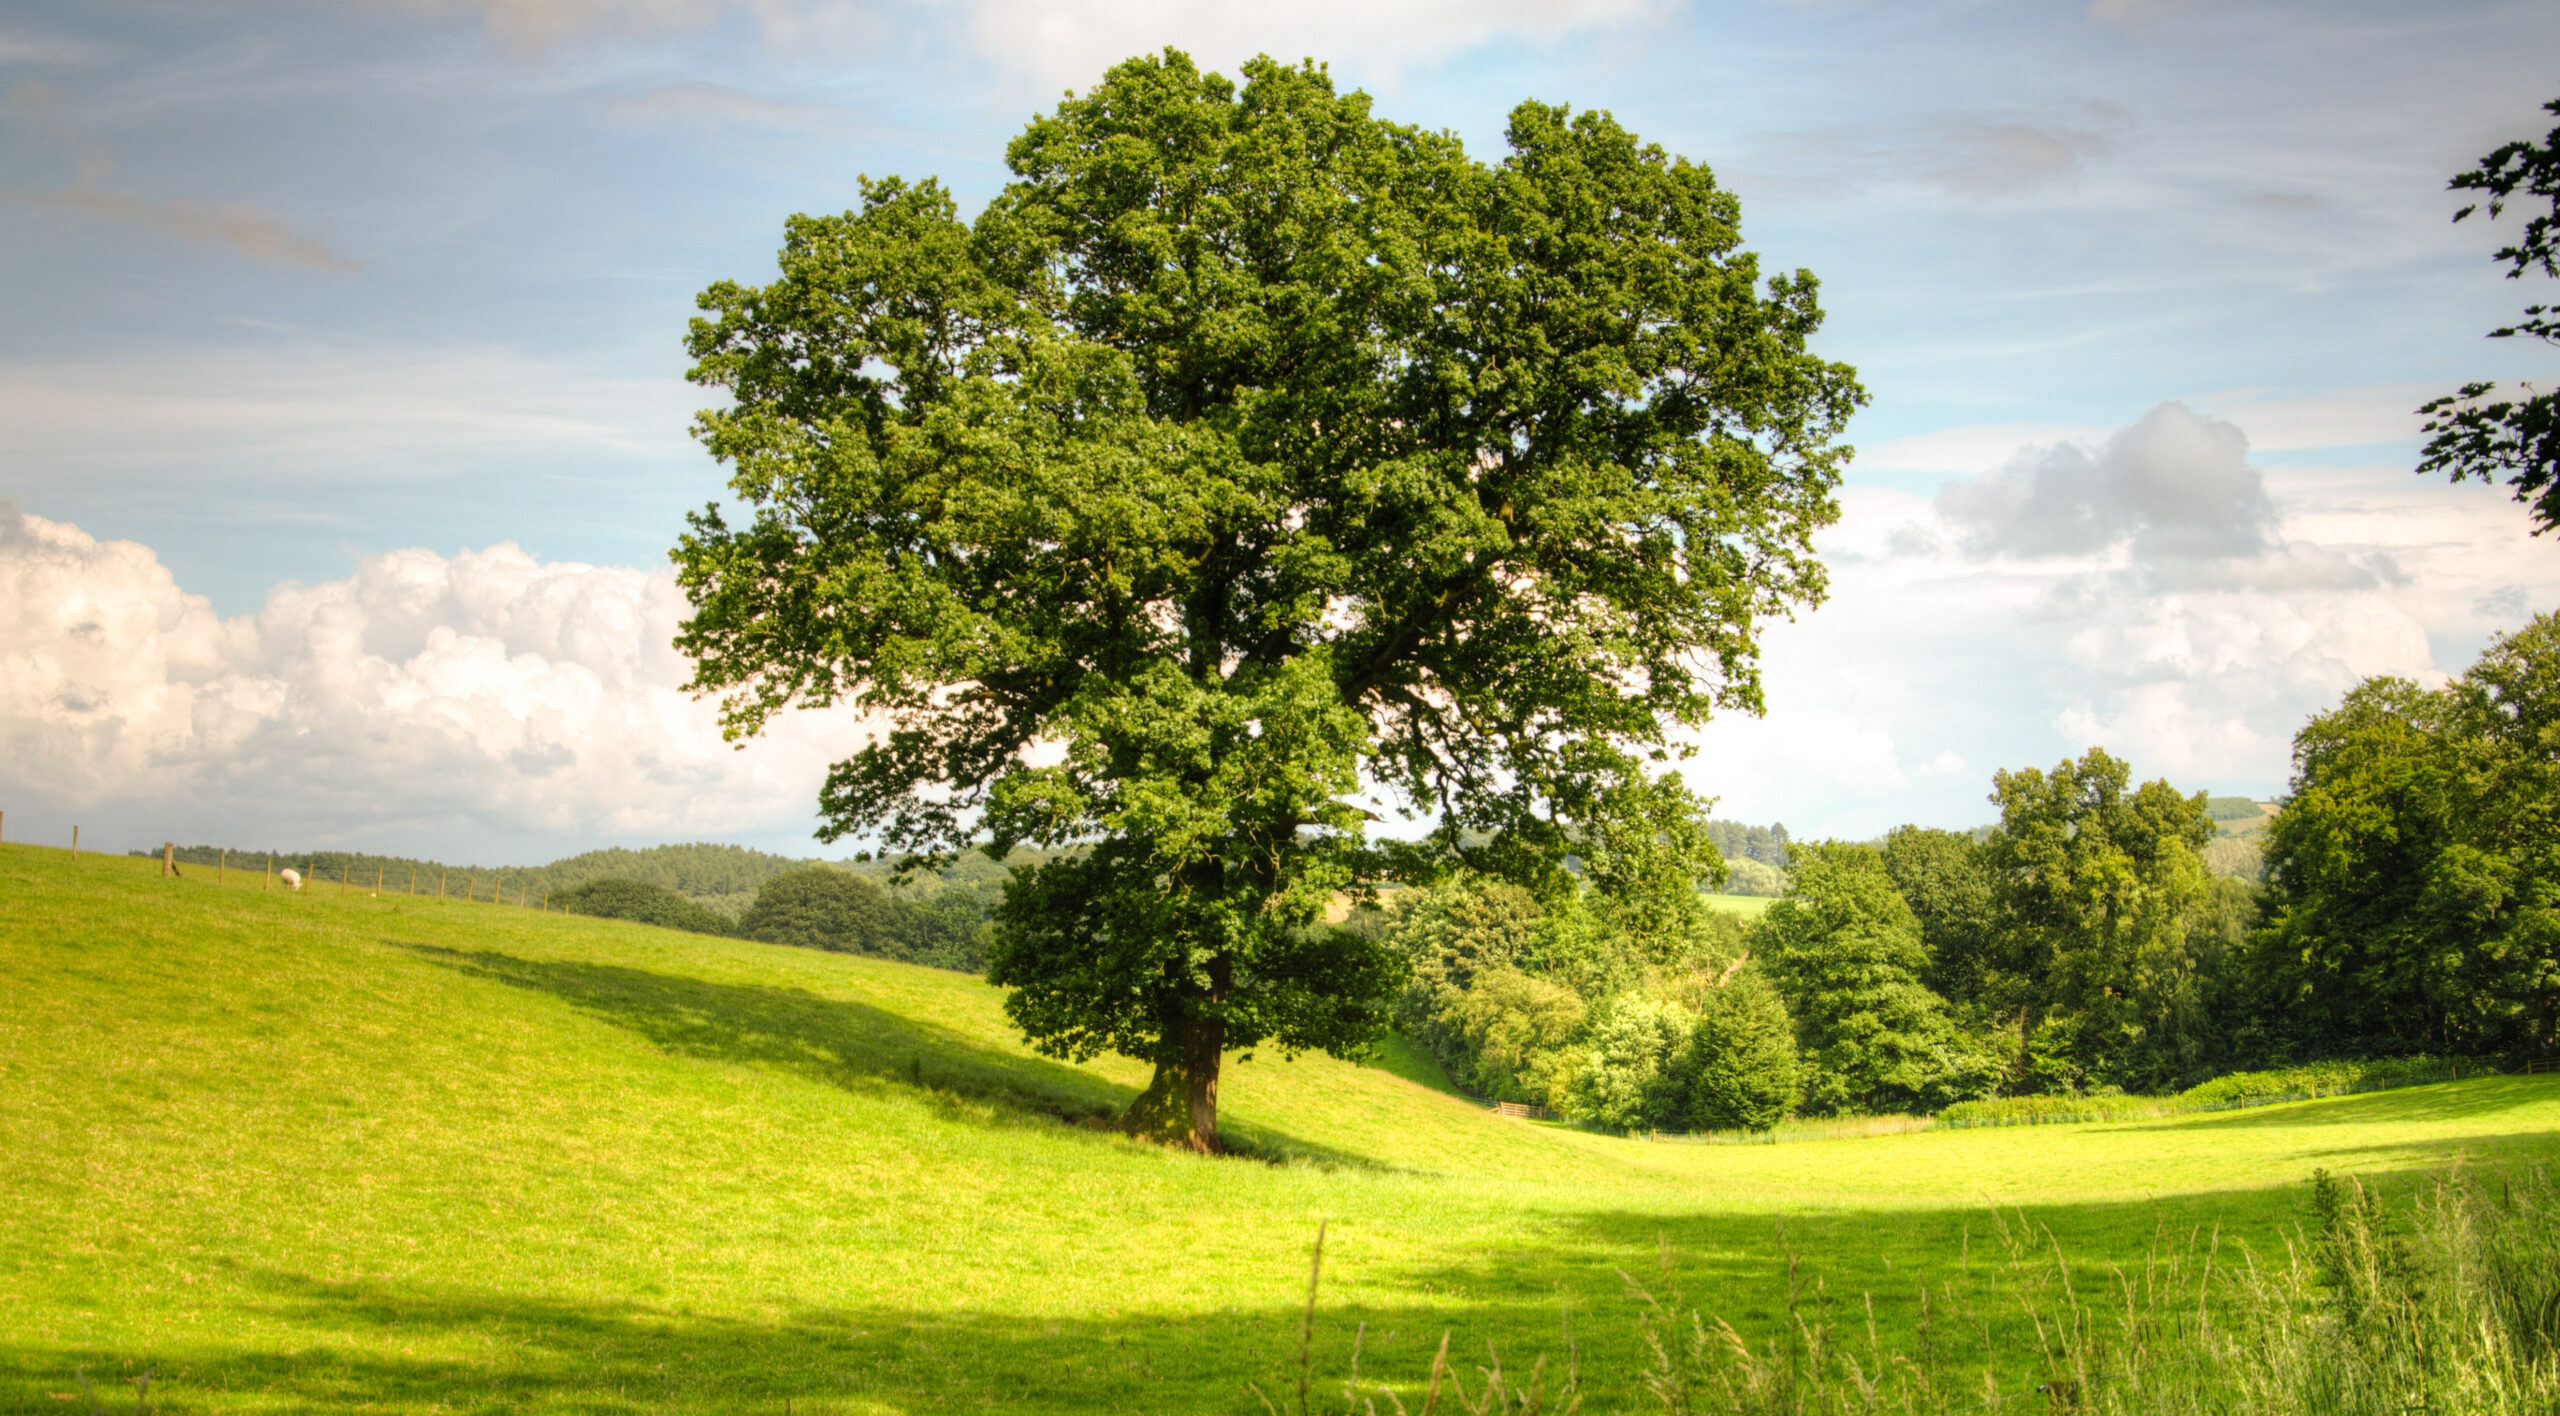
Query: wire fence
[344, 874]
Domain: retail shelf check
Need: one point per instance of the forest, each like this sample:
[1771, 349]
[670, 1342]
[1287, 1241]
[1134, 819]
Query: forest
[2409, 906]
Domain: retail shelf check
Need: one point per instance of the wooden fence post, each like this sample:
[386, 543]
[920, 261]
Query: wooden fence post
[75, 843]
[439, 884]
[413, 880]
[168, 859]
[377, 879]
[268, 880]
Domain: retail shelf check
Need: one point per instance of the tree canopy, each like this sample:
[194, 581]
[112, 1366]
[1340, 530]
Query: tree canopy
[2414, 876]
[1246, 452]
[2477, 432]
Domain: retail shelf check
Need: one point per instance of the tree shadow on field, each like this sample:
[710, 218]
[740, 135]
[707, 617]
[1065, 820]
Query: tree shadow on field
[387, 1348]
[395, 1347]
[845, 1044]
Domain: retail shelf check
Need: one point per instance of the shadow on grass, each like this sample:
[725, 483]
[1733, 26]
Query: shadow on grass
[846, 1044]
[370, 1347]
[390, 1346]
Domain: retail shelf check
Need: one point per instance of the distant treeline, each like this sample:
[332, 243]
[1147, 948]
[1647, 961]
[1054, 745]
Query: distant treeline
[697, 870]
[1738, 841]
[2090, 945]
[864, 905]
[817, 907]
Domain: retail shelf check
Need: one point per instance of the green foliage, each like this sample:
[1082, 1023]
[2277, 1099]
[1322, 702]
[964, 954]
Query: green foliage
[1745, 876]
[1246, 448]
[1627, 1080]
[1946, 879]
[1738, 1071]
[2223, 1093]
[2474, 433]
[645, 904]
[2443, 1302]
[1512, 1034]
[1845, 953]
[2229, 808]
[696, 870]
[1762, 845]
[2414, 877]
[2117, 935]
[837, 910]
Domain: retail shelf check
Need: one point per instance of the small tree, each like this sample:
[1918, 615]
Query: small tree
[2476, 433]
[1244, 450]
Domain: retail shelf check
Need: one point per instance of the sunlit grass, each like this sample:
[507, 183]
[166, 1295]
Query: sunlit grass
[1747, 906]
[333, 1151]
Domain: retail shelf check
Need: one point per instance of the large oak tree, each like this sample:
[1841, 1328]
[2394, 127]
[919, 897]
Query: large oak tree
[1244, 454]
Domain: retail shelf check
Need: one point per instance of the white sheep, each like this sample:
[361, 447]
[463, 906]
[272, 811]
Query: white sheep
[291, 877]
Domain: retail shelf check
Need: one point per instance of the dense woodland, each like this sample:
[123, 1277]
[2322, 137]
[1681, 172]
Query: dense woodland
[2410, 904]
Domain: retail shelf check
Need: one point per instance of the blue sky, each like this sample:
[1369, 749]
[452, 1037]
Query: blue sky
[343, 422]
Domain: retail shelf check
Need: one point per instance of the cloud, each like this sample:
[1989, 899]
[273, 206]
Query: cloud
[252, 231]
[2333, 418]
[20, 47]
[1071, 44]
[486, 694]
[2173, 486]
[1991, 158]
[1966, 155]
[536, 24]
[718, 103]
[2191, 686]
[1057, 45]
[1947, 649]
[285, 408]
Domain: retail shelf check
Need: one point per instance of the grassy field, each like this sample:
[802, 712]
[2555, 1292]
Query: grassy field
[334, 1152]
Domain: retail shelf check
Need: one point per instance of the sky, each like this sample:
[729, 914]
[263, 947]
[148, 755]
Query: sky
[344, 427]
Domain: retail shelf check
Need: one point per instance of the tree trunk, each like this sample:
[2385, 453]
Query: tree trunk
[1180, 1107]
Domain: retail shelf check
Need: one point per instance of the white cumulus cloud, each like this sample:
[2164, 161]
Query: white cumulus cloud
[2148, 589]
[423, 702]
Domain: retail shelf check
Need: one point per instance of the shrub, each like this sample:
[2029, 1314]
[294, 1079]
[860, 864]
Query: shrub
[1745, 876]
[1624, 1082]
[645, 904]
[1513, 1030]
[827, 909]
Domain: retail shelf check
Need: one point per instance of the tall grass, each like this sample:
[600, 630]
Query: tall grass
[2446, 1303]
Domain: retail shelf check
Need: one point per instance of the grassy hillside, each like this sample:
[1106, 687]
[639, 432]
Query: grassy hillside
[337, 1152]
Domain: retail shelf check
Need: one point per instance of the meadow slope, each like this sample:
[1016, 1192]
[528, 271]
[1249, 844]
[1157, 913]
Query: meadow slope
[336, 1152]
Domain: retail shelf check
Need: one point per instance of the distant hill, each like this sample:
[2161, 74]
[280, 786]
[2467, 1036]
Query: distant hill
[719, 877]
